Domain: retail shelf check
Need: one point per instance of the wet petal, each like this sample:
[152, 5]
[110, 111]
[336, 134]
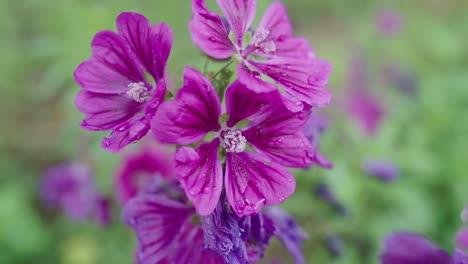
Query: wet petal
[406, 248]
[277, 133]
[111, 68]
[209, 32]
[193, 114]
[201, 174]
[157, 222]
[151, 45]
[252, 181]
[222, 234]
[253, 80]
[304, 79]
[126, 134]
[242, 102]
[276, 21]
[239, 14]
[104, 112]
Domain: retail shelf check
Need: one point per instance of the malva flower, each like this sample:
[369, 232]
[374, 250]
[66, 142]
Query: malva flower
[409, 248]
[315, 126]
[143, 172]
[271, 52]
[389, 22]
[367, 110]
[116, 96]
[255, 153]
[71, 187]
[385, 170]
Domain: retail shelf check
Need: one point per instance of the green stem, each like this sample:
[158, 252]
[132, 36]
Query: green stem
[223, 68]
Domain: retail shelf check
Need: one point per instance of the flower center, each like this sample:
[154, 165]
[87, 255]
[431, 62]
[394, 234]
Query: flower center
[261, 41]
[233, 141]
[138, 92]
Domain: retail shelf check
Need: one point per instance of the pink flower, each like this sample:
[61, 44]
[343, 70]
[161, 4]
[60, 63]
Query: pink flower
[255, 150]
[115, 93]
[272, 51]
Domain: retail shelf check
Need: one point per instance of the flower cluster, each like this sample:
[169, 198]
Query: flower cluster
[233, 140]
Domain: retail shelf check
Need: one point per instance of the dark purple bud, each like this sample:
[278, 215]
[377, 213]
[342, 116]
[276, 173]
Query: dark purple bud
[385, 170]
[222, 234]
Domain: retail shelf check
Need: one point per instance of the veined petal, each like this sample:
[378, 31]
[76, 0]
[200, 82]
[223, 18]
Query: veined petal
[110, 69]
[126, 134]
[412, 248]
[239, 14]
[304, 79]
[104, 112]
[191, 115]
[151, 45]
[209, 32]
[201, 175]
[276, 21]
[252, 181]
[293, 150]
[242, 102]
[253, 80]
[157, 222]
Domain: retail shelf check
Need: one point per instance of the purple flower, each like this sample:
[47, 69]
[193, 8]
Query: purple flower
[408, 248]
[366, 109]
[461, 239]
[312, 130]
[143, 171]
[223, 234]
[385, 170]
[70, 186]
[288, 232]
[272, 51]
[255, 154]
[389, 22]
[259, 229]
[165, 232]
[115, 93]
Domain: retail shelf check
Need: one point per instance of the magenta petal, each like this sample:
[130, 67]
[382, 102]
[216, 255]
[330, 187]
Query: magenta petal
[276, 21]
[201, 174]
[157, 221]
[209, 32]
[239, 14]
[150, 45]
[104, 112]
[126, 134]
[304, 79]
[191, 115]
[110, 69]
[242, 102]
[253, 80]
[252, 181]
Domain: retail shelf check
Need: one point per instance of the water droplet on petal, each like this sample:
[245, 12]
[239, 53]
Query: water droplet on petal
[206, 190]
[281, 199]
[212, 39]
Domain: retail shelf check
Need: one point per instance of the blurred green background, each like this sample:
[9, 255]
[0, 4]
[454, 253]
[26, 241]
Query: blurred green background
[425, 134]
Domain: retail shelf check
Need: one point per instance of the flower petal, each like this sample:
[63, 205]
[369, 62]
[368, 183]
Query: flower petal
[191, 115]
[151, 45]
[209, 32]
[110, 69]
[157, 222]
[288, 232]
[304, 79]
[253, 80]
[242, 102]
[239, 14]
[277, 133]
[126, 134]
[104, 112]
[201, 175]
[459, 257]
[402, 248]
[252, 181]
[276, 21]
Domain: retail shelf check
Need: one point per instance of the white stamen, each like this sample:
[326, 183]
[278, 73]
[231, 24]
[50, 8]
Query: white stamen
[138, 92]
[259, 38]
[234, 141]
